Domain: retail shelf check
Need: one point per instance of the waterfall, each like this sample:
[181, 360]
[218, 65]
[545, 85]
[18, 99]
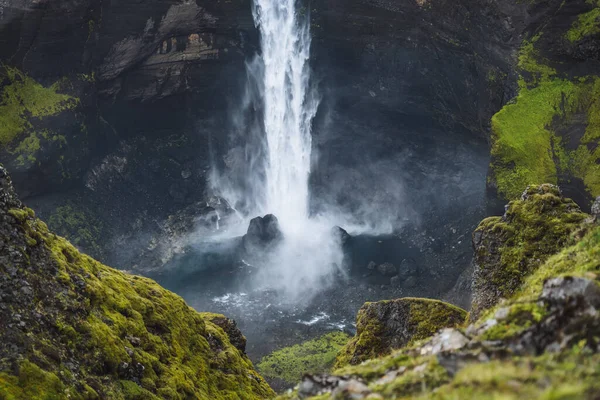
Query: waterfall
[289, 108]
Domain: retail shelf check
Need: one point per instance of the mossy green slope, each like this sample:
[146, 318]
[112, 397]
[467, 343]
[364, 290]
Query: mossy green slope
[532, 136]
[387, 325]
[74, 328]
[311, 357]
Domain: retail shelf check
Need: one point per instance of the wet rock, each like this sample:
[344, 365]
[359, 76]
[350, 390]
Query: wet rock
[371, 266]
[263, 232]
[564, 290]
[408, 267]
[341, 235]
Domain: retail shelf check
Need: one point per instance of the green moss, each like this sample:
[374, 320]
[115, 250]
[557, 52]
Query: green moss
[424, 377]
[520, 316]
[532, 63]
[531, 230]
[31, 383]
[526, 148]
[314, 356]
[577, 260]
[110, 322]
[79, 226]
[427, 317]
[22, 98]
[586, 24]
[552, 376]
[523, 146]
[423, 318]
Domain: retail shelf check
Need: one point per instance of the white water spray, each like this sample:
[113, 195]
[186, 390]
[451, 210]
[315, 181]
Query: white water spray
[270, 174]
[289, 108]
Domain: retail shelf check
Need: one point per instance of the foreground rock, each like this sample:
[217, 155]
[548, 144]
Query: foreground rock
[539, 342]
[74, 328]
[387, 325]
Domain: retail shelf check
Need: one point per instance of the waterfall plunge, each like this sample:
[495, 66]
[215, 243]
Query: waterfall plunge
[289, 108]
[270, 174]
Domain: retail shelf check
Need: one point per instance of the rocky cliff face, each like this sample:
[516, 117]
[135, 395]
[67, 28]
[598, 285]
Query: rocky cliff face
[120, 98]
[74, 328]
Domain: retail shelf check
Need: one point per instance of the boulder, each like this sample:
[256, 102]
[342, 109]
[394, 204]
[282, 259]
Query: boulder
[388, 325]
[509, 248]
[596, 208]
[263, 232]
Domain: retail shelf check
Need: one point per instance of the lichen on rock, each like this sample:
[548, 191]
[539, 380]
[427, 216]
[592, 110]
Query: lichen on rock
[387, 325]
[74, 328]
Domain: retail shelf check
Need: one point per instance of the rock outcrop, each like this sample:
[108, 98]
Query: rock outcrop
[509, 248]
[71, 327]
[384, 326]
[112, 108]
[263, 233]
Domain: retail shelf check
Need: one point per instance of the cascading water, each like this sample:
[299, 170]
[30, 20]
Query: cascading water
[269, 172]
[289, 108]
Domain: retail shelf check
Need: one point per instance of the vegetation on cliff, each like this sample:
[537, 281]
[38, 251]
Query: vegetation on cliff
[74, 328]
[550, 131]
[23, 100]
[509, 248]
[315, 356]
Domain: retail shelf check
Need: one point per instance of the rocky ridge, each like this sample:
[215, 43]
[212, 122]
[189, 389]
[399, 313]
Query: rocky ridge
[71, 327]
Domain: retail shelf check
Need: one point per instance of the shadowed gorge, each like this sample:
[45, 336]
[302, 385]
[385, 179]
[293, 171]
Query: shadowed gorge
[364, 199]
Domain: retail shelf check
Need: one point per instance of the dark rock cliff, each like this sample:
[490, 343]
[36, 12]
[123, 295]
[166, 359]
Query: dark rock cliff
[119, 98]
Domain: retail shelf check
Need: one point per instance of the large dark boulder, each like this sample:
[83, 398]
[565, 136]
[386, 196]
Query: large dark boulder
[263, 233]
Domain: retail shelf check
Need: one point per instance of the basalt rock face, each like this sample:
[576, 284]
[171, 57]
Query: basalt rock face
[71, 327]
[550, 133]
[112, 107]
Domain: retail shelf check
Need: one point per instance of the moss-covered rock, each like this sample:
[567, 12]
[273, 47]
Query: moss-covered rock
[387, 325]
[74, 328]
[315, 356]
[509, 248]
